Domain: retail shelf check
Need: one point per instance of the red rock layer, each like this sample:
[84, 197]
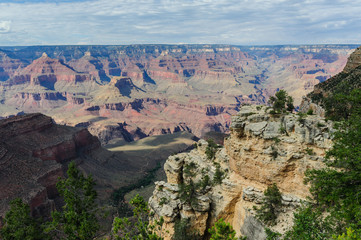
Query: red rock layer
[46, 72]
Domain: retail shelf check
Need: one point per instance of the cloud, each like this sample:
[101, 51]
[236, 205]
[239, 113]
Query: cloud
[5, 26]
[172, 21]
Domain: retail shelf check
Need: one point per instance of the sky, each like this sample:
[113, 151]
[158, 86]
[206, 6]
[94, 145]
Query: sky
[122, 22]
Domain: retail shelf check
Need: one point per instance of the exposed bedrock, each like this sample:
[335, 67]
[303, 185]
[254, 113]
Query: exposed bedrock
[262, 149]
[34, 153]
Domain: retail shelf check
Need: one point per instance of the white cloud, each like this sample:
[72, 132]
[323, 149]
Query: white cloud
[5, 26]
[173, 21]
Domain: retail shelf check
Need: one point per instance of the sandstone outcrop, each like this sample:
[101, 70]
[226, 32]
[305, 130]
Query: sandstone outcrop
[262, 149]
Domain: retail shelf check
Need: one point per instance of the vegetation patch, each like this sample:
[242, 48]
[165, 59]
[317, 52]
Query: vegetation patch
[271, 205]
[118, 195]
[281, 102]
[211, 149]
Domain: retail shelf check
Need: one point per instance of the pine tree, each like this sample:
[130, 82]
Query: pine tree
[222, 231]
[20, 225]
[137, 227]
[78, 219]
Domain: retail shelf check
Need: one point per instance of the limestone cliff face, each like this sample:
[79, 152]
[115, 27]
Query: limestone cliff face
[262, 149]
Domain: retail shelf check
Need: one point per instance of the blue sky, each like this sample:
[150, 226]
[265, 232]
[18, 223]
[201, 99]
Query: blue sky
[240, 22]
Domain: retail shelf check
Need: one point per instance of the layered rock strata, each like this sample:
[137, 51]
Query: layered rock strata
[35, 152]
[262, 149]
[193, 88]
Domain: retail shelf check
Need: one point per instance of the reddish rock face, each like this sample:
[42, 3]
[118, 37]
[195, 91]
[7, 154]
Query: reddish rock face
[34, 153]
[157, 89]
[46, 72]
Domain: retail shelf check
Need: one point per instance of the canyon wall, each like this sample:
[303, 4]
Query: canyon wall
[35, 152]
[262, 149]
[195, 88]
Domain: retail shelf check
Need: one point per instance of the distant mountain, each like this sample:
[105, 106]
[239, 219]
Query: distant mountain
[129, 92]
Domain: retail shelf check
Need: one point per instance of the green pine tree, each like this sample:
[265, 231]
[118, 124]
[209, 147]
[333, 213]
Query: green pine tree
[222, 231]
[137, 227]
[78, 219]
[281, 102]
[20, 225]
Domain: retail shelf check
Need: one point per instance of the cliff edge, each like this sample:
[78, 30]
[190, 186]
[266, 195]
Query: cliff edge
[262, 149]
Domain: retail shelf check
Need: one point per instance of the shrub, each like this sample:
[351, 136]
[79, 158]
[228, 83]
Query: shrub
[137, 227]
[182, 230]
[219, 175]
[163, 201]
[274, 152]
[270, 206]
[222, 231]
[187, 193]
[211, 149]
[309, 151]
[271, 235]
[189, 169]
[19, 224]
[281, 102]
[282, 130]
[310, 112]
[78, 219]
[205, 182]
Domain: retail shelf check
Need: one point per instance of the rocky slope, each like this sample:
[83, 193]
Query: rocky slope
[113, 90]
[344, 82]
[262, 149]
[34, 153]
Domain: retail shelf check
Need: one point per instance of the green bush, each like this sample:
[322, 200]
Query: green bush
[77, 220]
[219, 175]
[19, 224]
[182, 230]
[205, 182]
[211, 149]
[189, 169]
[188, 192]
[281, 102]
[271, 235]
[222, 231]
[271, 205]
[138, 227]
[309, 151]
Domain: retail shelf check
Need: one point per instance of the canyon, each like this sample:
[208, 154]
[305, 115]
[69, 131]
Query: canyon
[125, 93]
[170, 93]
[263, 148]
[35, 153]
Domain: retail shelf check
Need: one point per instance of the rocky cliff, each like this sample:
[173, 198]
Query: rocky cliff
[35, 152]
[262, 149]
[342, 83]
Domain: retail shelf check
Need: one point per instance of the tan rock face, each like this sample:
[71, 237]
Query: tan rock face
[262, 149]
